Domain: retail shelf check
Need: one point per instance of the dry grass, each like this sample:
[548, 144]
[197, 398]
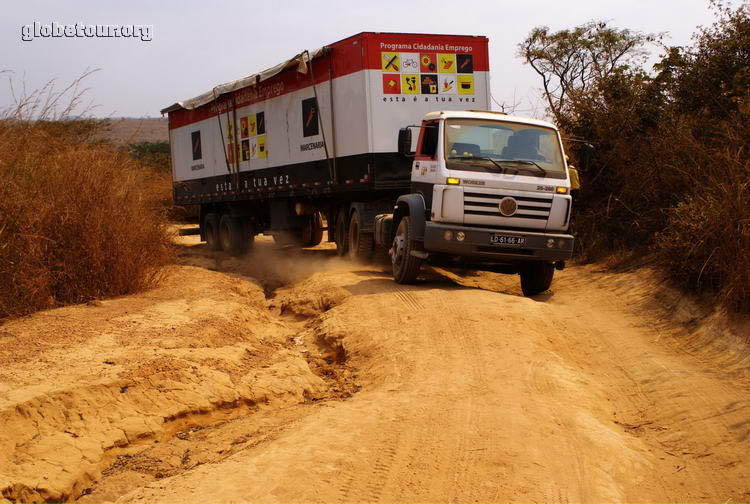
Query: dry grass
[78, 220]
[705, 244]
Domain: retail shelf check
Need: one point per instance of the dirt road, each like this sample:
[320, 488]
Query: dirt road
[296, 376]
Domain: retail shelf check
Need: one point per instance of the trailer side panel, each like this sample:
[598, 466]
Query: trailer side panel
[274, 139]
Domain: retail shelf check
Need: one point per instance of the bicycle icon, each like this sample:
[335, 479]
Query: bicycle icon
[410, 63]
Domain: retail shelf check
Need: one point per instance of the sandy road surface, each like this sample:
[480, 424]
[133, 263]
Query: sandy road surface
[295, 376]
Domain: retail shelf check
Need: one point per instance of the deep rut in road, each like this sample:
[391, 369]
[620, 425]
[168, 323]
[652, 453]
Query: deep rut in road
[111, 390]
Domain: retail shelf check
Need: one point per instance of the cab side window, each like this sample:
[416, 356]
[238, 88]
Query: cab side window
[428, 145]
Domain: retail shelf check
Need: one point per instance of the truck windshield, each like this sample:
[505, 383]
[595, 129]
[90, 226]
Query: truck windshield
[494, 146]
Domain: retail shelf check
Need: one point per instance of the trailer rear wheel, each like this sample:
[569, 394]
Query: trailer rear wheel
[312, 234]
[360, 244]
[211, 227]
[405, 265]
[342, 238]
[536, 277]
[317, 228]
[232, 235]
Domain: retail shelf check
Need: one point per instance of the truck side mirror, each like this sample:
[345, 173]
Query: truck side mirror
[575, 180]
[404, 142]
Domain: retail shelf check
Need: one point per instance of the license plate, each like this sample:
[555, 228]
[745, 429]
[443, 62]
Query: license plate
[507, 240]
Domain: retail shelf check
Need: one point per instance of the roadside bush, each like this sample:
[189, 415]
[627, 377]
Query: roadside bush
[78, 220]
[630, 180]
[706, 242]
[154, 155]
[669, 180]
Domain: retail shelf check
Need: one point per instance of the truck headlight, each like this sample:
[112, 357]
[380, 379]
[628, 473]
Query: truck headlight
[562, 190]
[454, 181]
[460, 236]
[551, 243]
[448, 235]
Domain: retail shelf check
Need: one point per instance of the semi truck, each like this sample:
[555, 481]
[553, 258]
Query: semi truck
[386, 141]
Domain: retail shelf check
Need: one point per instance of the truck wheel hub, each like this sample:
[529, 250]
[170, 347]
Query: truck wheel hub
[399, 244]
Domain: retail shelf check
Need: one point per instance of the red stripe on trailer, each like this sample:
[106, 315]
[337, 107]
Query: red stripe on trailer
[378, 43]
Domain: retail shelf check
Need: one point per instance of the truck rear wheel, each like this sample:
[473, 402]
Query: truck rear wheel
[312, 234]
[360, 244]
[232, 235]
[342, 238]
[316, 236]
[211, 227]
[536, 277]
[405, 266]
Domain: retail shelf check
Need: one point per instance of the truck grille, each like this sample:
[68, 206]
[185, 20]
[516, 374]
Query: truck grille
[537, 207]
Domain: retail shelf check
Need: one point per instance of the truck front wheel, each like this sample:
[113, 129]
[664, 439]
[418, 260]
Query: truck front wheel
[536, 277]
[405, 265]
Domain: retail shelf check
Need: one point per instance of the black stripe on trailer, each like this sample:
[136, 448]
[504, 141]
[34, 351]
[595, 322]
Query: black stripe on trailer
[385, 172]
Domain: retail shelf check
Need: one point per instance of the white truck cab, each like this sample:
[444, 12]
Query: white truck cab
[496, 191]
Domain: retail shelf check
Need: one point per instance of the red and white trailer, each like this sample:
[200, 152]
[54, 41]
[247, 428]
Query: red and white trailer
[264, 136]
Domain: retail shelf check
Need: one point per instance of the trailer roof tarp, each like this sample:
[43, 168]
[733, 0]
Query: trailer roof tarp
[300, 61]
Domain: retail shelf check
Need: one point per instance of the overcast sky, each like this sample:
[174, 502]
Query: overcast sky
[198, 44]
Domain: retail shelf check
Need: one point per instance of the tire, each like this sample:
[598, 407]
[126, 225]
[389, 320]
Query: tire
[312, 233]
[232, 235]
[536, 277]
[342, 238]
[405, 266]
[360, 244]
[211, 227]
[317, 229]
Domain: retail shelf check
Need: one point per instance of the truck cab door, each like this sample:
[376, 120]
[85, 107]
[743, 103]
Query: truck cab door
[425, 166]
[424, 170]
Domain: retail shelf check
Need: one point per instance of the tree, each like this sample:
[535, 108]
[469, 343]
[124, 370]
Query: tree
[712, 78]
[571, 60]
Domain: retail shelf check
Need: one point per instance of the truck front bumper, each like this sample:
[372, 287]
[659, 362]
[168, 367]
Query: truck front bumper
[476, 244]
